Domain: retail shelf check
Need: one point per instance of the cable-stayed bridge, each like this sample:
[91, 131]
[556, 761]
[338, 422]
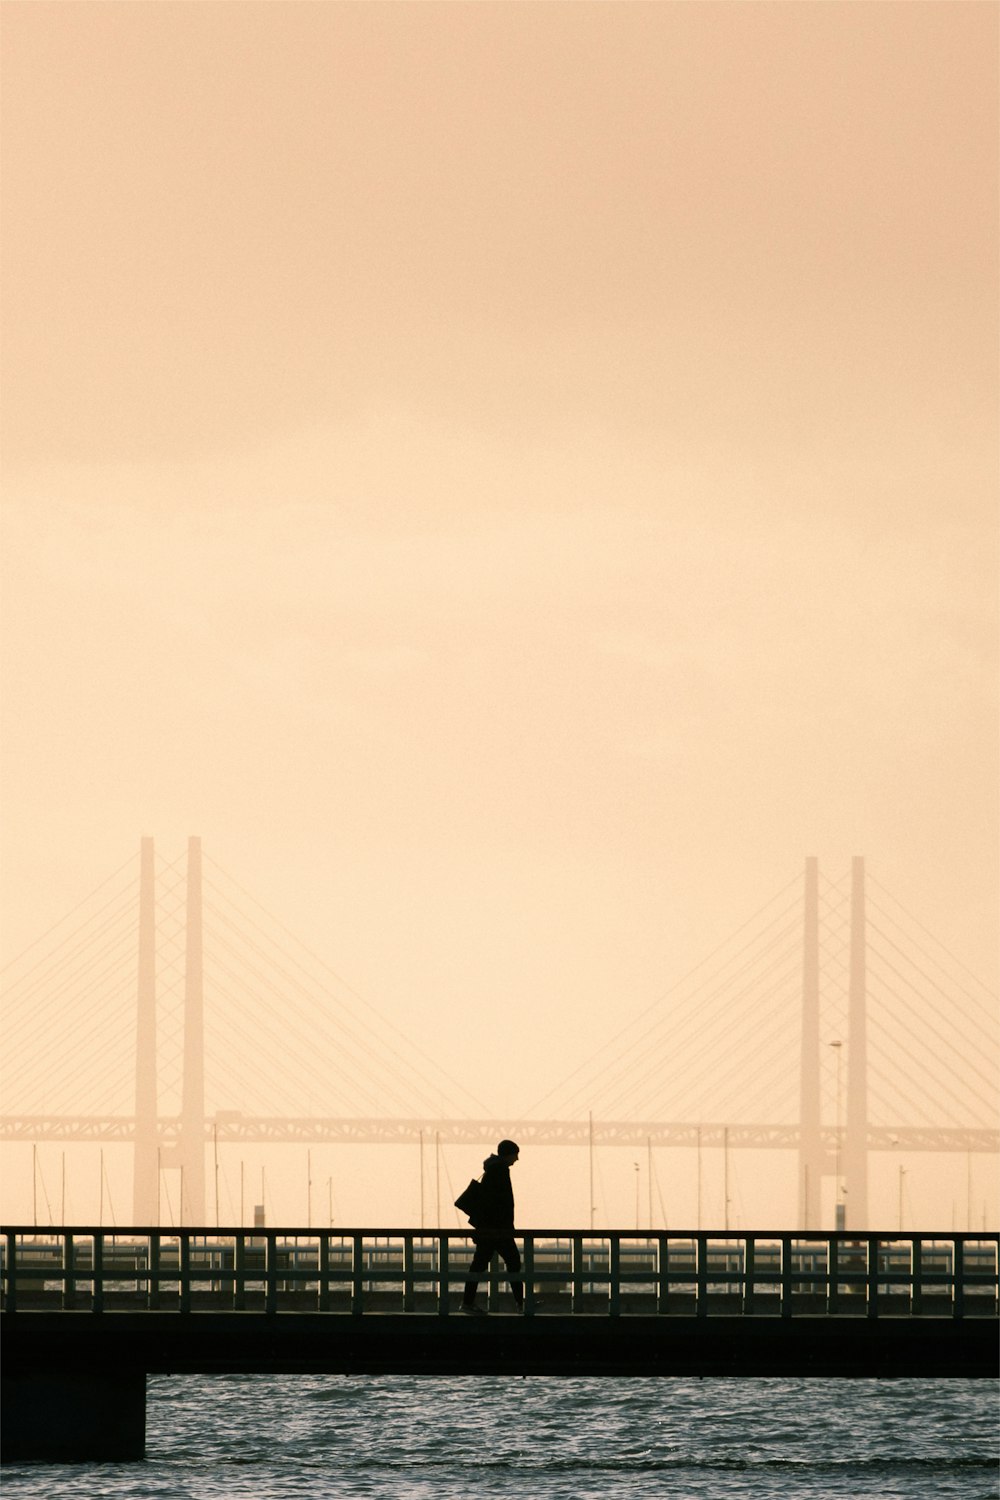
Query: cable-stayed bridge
[172, 1011]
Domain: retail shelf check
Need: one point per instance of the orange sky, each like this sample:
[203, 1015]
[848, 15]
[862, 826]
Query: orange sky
[514, 478]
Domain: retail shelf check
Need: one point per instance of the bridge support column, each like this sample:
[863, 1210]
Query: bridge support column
[192, 1134]
[810, 1139]
[145, 1169]
[856, 1144]
[73, 1415]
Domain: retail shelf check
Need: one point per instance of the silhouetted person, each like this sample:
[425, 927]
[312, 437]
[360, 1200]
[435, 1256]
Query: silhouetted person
[493, 1227]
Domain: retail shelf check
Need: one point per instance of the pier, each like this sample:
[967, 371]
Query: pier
[88, 1313]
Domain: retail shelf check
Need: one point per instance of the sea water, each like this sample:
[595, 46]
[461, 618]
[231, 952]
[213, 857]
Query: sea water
[312, 1437]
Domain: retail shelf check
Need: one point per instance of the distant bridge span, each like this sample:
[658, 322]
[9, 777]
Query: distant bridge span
[723, 1057]
[228, 1127]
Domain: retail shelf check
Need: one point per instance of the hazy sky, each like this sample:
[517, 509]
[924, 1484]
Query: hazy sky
[514, 478]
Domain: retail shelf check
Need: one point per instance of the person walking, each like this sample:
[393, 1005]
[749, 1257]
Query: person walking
[493, 1228]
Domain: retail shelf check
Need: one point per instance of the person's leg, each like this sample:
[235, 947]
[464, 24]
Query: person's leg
[512, 1260]
[480, 1262]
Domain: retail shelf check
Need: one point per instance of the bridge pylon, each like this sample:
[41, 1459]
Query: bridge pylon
[851, 1209]
[811, 1156]
[856, 1141]
[154, 1149]
[192, 1138]
[145, 1162]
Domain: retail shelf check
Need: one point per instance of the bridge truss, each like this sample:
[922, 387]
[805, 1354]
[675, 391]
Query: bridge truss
[230, 1128]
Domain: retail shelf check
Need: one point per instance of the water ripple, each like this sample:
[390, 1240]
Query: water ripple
[411, 1438]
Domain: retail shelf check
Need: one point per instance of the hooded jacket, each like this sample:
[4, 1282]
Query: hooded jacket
[497, 1214]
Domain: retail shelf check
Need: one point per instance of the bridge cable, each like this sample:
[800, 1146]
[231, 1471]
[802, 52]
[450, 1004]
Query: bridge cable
[717, 1020]
[597, 1059]
[350, 988]
[66, 916]
[990, 1033]
[284, 1015]
[311, 1069]
[877, 1026]
[927, 933]
[326, 996]
[14, 1001]
[918, 1017]
[754, 1020]
[357, 1042]
[59, 1042]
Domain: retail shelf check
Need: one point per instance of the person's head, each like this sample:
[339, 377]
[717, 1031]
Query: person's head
[508, 1152]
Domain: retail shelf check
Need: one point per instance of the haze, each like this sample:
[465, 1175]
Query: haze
[514, 479]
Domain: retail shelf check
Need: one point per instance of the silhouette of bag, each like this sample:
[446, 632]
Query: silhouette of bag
[471, 1201]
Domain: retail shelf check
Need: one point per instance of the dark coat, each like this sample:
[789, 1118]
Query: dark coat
[496, 1217]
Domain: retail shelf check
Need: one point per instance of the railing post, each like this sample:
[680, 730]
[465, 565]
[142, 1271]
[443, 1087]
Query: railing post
[576, 1272]
[701, 1271]
[98, 1301]
[153, 1272]
[324, 1271]
[958, 1277]
[270, 1272]
[871, 1280]
[443, 1273]
[357, 1274]
[662, 1273]
[493, 1283]
[408, 1297]
[832, 1275]
[69, 1273]
[749, 1250]
[184, 1270]
[786, 1276]
[239, 1271]
[11, 1273]
[614, 1274]
[529, 1274]
[916, 1276]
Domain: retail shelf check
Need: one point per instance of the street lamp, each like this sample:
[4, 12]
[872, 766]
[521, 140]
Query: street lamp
[839, 1207]
[894, 1141]
[636, 1165]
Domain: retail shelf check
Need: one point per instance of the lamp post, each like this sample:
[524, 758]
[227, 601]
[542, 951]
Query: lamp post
[901, 1173]
[725, 1176]
[839, 1215]
[636, 1166]
[698, 1221]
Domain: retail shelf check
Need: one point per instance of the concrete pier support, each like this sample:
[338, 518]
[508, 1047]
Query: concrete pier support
[75, 1415]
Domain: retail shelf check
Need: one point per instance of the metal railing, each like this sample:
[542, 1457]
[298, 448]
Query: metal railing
[610, 1273]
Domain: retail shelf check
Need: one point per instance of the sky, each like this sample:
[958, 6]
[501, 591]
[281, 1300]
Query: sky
[515, 479]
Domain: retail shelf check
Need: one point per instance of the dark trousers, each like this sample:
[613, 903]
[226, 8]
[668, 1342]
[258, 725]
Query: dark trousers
[488, 1245]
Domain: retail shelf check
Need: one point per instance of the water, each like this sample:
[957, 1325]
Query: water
[406, 1438]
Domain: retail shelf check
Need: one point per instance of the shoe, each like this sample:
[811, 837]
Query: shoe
[473, 1312]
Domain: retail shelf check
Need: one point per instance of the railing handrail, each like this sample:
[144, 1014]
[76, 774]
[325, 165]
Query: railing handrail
[227, 1231]
[759, 1268]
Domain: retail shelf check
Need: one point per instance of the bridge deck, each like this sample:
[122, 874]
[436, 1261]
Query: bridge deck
[89, 1313]
[557, 1344]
